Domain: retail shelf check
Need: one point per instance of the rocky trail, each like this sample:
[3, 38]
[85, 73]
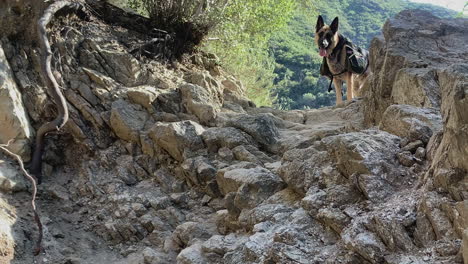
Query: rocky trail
[171, 163]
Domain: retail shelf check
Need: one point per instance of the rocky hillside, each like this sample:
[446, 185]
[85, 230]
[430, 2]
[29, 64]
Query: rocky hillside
[172, 164]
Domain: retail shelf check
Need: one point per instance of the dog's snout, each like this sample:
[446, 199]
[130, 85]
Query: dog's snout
[325, 43]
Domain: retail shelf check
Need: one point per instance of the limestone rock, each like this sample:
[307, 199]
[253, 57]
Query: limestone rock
[252, 185]
[365, 152]
[143, 95]
[261, 127]
[11, 178]
[412, 77]
[191, 255]
[228, 137]
[127, 120]
[411, 122]
[302, 168]
[333, 218]
[15, 123]
[201, 102]
[188, 233]
[179, 139]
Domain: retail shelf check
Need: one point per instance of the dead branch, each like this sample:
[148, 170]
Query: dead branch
[51, 83]
[3, 147]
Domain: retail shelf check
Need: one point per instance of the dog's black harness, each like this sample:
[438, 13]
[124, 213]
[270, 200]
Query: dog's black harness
[357, 60]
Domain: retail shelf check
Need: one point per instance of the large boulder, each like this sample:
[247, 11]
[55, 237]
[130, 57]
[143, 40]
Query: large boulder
[179, 139]
[13, 117]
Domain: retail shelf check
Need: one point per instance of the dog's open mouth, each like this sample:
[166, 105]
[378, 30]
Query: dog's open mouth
[323, 52]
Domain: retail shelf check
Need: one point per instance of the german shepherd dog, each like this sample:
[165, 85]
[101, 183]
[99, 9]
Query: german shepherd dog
[333, 47]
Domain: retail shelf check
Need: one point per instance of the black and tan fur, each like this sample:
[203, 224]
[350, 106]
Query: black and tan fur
[327, 39]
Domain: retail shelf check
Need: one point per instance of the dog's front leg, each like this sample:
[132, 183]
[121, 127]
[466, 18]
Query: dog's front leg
[339, 97]
[349, 87]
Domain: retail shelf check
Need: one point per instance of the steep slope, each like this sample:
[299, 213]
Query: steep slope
[172, 164]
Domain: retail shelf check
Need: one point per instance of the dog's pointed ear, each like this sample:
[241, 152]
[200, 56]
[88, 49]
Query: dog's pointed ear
[334, 25]
[320, 24]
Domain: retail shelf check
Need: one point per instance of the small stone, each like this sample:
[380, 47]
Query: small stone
[420, 153]
[225, 154]
[404, 142]
[151, 256]
[206, 199]
[406, 158]
[179, 198]
[412, 146]
[139, 209]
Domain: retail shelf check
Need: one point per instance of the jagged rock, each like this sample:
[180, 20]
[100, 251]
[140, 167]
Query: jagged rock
[222, 244]
[394, 226]
[199, 171]
[242, 154]
[431, 206]
[143, 95]
[433, 145]
[127, 120]
[413, 146]
[261, 127]
[366, 244]
[335, 196]
[264, 213]
[411, 122]
[406, 158]
[333, 218]
[201, 102]
[233, 86]
[11, 179]
[120, 66]
[412, 76]
[191, 255]
[366, 152]
[179, 139]
[416, 86]
[151, 256]
[302, 168]
[228, 137]
[373, 187]
[88, 112]
[455, 114]
[188, 233]
[251, 184]
[15, 123]
[226, 154]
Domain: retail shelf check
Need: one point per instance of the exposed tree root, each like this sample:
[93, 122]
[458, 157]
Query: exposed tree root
[38, 248]
[51, 83]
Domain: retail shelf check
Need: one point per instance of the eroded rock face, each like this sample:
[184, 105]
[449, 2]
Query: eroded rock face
[14, 118]
[412, 123]
[414, 61]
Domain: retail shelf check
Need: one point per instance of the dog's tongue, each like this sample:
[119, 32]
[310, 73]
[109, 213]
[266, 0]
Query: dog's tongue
[323, 52]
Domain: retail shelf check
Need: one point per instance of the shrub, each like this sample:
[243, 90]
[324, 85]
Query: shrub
[189, 20]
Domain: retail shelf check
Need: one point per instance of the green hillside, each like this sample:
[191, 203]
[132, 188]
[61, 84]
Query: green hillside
[297, 84]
